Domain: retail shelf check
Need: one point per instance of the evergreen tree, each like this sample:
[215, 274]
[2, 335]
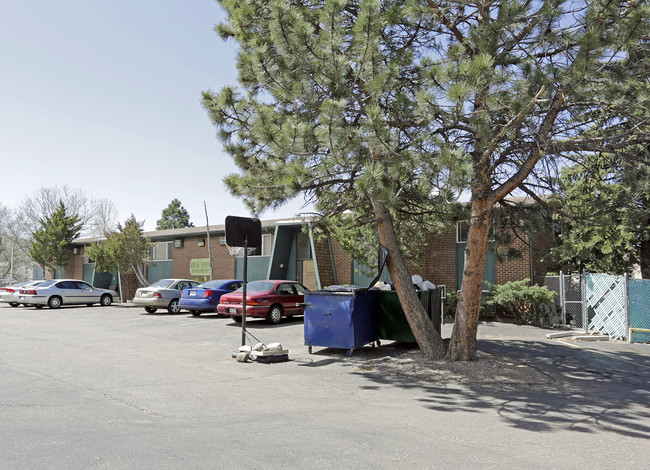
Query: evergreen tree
[603, 215]
[174, 216]
[51, 243]
[381, 112]
[124, 250]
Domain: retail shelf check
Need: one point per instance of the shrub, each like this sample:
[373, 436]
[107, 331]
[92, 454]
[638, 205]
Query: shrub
[451, 303]
[521, 300]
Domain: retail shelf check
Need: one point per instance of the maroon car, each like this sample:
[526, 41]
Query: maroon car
[265, 299]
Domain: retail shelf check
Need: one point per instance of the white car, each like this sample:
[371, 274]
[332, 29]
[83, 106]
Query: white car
[65, 292]
[164, 293]
[9, 294]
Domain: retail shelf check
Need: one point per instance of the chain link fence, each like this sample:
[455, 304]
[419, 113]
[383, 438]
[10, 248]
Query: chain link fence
[615, 305]
[567, 310]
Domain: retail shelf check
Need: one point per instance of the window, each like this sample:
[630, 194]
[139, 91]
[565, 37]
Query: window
[462, 229]
[284, 289]
[67, 285]
[303, 248]
[162, 251]
[300, 289]
[266, 244]
[266, 248]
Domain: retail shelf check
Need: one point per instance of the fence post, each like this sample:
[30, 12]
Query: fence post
[583, 288]
[627, 307]
[562, 300]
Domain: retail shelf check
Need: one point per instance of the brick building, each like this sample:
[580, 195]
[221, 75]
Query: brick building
[289, 251]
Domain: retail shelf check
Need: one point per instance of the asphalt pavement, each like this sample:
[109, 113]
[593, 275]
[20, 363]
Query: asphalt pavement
[116, 388]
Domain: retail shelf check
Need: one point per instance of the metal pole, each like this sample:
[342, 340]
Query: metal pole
[562, 300]
[207, 233]
[627, 306]
[585, 315]
[11, 267]
[119, 283]
[243, 299]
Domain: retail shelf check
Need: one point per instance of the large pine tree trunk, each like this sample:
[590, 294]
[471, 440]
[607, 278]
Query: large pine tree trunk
[462, 346]
[430, 342]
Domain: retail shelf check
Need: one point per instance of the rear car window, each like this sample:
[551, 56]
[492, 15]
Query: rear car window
[259, 286]
[162, 283]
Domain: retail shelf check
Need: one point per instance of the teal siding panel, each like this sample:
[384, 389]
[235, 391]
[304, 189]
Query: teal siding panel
[258, 267]
[490, 265]
[100, 279]
[283, 255]
[159, 270]
[88, 271]
[363, 280]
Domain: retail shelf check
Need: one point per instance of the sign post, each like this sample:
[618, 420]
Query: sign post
[247, 233]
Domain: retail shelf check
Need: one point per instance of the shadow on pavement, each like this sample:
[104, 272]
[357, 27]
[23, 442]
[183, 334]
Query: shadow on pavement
[541, 386]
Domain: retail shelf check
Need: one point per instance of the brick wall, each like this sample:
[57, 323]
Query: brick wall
[514, 269]
[439, 263]
[74, 269]
[324, 262]
[223, 263]
[129, 286]
[343, 264]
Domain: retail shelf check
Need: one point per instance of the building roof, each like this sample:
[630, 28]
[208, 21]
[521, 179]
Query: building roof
[171, 234]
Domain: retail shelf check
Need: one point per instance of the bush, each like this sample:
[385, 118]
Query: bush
[521, 301]
[486, 311]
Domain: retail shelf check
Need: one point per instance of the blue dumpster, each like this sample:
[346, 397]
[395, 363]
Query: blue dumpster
[343, 317]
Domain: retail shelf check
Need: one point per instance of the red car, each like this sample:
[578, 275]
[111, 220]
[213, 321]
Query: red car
[265, 299]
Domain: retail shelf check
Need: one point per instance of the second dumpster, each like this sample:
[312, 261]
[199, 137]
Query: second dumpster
[392, 323]
[342, 317]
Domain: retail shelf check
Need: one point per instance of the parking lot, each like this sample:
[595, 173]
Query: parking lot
[115, 387]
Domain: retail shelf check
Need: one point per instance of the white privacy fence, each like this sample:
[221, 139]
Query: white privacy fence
[612, 305]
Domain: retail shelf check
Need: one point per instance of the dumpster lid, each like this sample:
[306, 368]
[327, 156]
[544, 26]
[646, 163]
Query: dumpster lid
[345, 289]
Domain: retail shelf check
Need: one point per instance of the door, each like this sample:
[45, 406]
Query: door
[289, 298]
[69, 292]
[309, 274]
[87, 294]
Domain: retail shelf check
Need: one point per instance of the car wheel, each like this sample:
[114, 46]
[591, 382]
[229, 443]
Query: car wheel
[196, 313]
[236, 318]
[54, 302]
[173, 306]
[106, 300]
[14, 304]
[150, 309]
[275, 315]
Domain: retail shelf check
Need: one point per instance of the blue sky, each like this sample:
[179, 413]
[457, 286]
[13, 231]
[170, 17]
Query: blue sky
[105, 97]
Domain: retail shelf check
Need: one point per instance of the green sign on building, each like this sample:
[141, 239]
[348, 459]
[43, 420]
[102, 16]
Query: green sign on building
[200, 267]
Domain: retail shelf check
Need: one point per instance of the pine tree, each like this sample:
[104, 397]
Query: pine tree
[174, 216]
[603, 214]
[382, 112]
[124, 250]
[51, 242]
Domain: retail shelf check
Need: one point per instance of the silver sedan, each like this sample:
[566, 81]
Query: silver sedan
[164, 293]
[9, 294]
[65, 292]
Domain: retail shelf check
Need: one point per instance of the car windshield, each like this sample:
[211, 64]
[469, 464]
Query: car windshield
[162, 283]
[257, 287]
